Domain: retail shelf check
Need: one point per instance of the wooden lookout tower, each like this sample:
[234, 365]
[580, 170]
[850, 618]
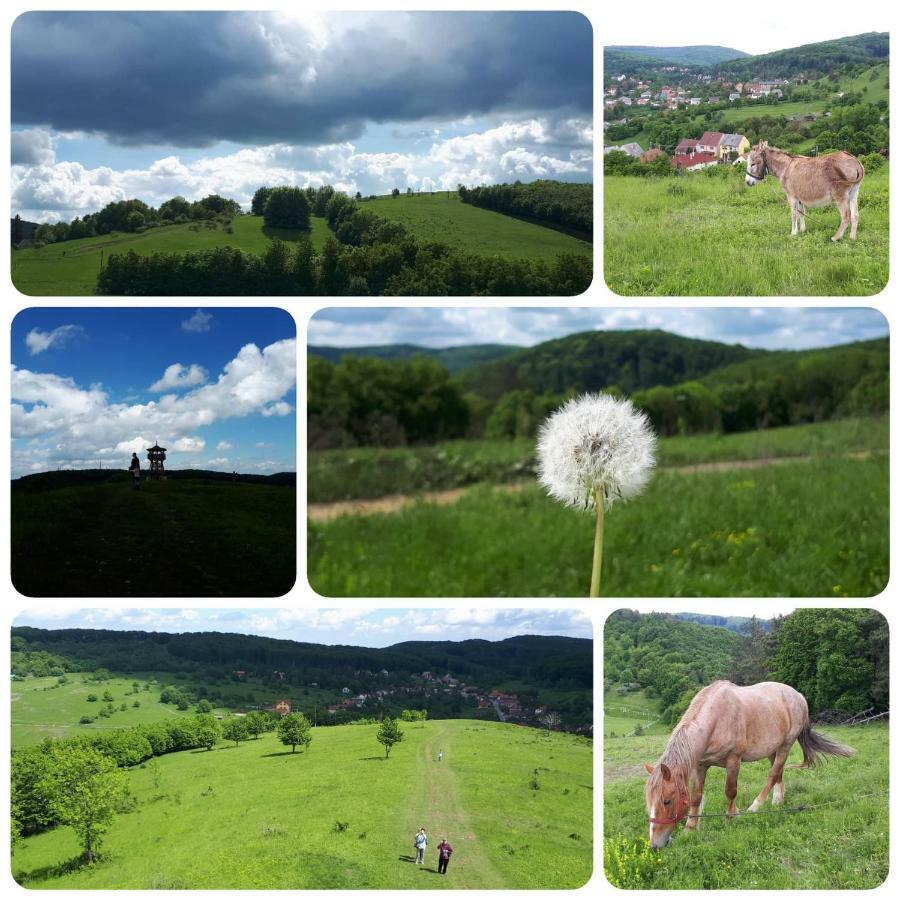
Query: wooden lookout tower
[157, 456]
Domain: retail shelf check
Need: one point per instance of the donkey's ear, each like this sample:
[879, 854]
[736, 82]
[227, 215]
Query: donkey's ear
[667, 774]
[649, 768]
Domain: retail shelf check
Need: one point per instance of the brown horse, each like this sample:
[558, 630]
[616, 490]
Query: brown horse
[811, 181]
[726, 725]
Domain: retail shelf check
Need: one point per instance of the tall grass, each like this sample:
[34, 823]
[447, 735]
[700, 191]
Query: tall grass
[708, 234]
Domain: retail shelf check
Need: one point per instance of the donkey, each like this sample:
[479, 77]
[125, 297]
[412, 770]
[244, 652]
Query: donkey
[724, 726]
[811, 181]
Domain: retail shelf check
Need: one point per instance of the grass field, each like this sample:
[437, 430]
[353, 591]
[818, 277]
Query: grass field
[367, 472]
[708, 236]
[445, 218]
[169, 539]
[71, 268]
[815, 528]
[622, 714]
[258, 816]
[842, 845]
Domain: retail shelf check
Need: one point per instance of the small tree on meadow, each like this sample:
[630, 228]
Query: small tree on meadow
[204, 706]
[257, 723]
[287, 207]
[395, 192]
[235, 729]
[389, 733]
[84, 789]
[207, 731]
[294, 729]
[550, 720]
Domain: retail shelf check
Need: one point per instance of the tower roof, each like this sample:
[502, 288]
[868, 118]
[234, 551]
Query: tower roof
[156, 447]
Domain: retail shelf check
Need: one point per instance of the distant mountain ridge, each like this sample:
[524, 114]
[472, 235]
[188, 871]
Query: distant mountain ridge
[691, 55]
[454, 359]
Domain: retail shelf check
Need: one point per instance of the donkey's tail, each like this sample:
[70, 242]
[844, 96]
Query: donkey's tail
[815, 746]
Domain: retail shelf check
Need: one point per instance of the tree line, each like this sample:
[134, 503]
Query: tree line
[559, 203]
[837, 658]
[362, 401]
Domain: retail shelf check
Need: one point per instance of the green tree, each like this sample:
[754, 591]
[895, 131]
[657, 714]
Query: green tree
[395, 192]
[107, 697]
[260, 198]
[84, 789]
[294, 729]
[389, 733]
[207, 731]
[287, 207]
[204, 706]
[235, 729]
[257, 723]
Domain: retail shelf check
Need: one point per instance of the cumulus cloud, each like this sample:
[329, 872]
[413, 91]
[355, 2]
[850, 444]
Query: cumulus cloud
[223, 445]
[516, 149]
[195, 78]
[38, 341]
[32, 147]
[56, 420]
[176, 377]
[199, 321]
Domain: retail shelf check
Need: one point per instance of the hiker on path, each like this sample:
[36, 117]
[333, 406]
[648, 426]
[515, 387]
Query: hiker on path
[421, 842]
[135, 469]
[444, 852]
[440, 755]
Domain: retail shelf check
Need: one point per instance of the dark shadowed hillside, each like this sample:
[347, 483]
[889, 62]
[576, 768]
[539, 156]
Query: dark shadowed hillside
[453, 359]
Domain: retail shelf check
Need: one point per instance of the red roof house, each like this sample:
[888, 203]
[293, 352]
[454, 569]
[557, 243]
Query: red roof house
[696, 161]
[710, 142]
[686, 146]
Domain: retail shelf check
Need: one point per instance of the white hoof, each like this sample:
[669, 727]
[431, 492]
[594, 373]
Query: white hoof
[754, 806]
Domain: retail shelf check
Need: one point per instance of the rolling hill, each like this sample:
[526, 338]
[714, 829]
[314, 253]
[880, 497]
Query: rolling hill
[694, 55]
[453, 359]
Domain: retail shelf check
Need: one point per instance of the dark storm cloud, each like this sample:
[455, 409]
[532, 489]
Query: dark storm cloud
[191, 79]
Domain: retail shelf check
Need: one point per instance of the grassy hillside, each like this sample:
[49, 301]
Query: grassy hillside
[169, 539]
[453, 359]
[709, 236]
[70, 268]
[842, 845]
[695, 55]
[792, 529]
[258, 816]
[624, 713]
[443, 217]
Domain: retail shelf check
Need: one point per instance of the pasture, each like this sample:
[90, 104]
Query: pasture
[842, 845]
[798, 528]
[443, 217]
[623, 713]
[342, 816]
[708, 234]
[174, 538]
[71, 267]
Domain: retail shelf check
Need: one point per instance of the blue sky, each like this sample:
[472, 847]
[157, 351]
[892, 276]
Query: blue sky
[216, 387]
[359, 627]
[154, 104]
[770, 327]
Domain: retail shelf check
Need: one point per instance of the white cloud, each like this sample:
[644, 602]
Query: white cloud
[218, 461]
[38, 341]
[32, 147]
[62, 423]
[223, 445]
[177, 377]
[198, 322]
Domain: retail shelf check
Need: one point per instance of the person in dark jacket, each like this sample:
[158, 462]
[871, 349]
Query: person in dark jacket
[444, 852]
[135, 469]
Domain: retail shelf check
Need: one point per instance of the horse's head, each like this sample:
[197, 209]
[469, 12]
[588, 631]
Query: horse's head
[667, 803]
[756, 164]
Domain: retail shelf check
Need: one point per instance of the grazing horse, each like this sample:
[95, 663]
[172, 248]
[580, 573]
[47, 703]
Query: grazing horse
[811, 181]
[726, 725]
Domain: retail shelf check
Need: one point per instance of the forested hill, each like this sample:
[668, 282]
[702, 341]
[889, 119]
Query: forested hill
[453, 359]
[695, 55]
[837, 658]
[594, 360]
[739, 624]
[811, 60]
[534, 659]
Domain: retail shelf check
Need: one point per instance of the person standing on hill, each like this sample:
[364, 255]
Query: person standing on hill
[421, 843]
[440, 755]
[135, 469]
[444, 852]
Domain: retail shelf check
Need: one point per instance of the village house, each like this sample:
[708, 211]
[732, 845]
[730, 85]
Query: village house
[646, 95]
[734, 96]
[714, 100]
[696, 101]
[711, 142]
[686, 147]
[642, 102]
[695, 161]
[625, 101]
[632, 149]
[734, 145]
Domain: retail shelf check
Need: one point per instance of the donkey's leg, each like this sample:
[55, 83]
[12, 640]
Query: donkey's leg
[732, 768]
[844, 207]
[696, 807]
[802, 211]
[778, 760]
[794, 216]
[854, 211]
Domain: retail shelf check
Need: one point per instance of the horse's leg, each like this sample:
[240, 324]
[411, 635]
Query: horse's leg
[844, 207]
[732, 768]
[696, 807]
[778, 760]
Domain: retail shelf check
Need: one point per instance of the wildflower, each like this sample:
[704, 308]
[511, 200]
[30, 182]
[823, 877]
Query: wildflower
[592, 452]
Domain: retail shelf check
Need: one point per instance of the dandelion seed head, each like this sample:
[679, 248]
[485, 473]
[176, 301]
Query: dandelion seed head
[593, 442]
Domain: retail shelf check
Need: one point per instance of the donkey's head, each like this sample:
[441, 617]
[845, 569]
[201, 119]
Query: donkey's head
[667, 803]
[756, 164]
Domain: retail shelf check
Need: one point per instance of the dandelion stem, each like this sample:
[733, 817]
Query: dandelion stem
[598, 544]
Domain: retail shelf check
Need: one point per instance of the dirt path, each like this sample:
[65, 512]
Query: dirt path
[326, 512]
[439, 811]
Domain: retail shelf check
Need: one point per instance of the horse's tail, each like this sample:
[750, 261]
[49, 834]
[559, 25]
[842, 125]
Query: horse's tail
[815, 746]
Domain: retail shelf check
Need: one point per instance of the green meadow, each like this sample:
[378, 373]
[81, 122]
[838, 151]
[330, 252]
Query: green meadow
[799, 528]
[708, 234]
[515, 803]
[71, 267]
[173, 538]
[842, 844]
[624, 713]
[445, 218]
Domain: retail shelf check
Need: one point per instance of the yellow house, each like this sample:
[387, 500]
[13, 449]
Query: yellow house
[734, 144]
